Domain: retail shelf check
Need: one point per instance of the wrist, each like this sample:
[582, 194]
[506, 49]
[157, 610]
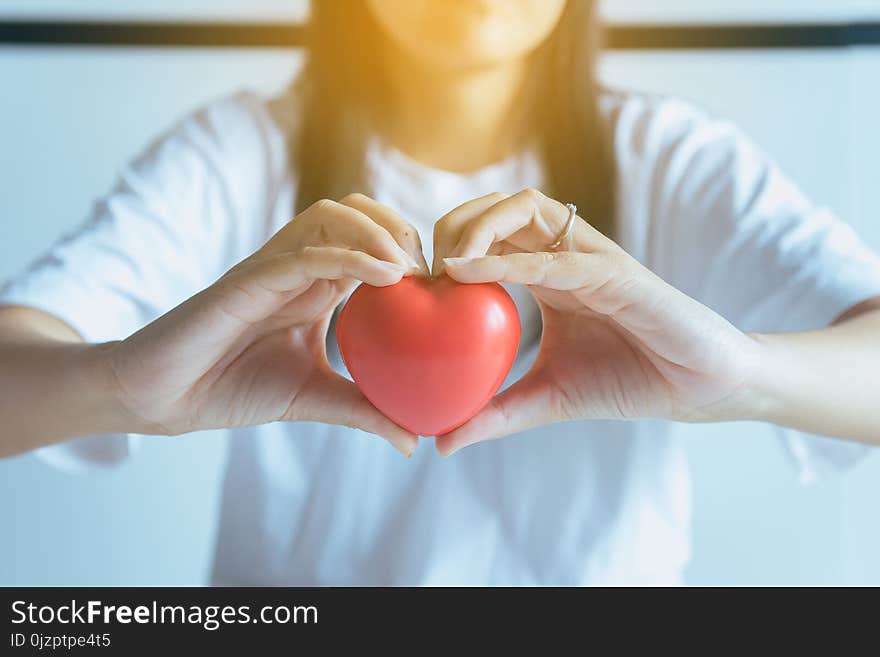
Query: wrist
[105, 407]
[759, 397]
[754, 398]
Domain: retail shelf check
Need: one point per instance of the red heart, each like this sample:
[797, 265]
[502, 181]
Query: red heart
[429, 353]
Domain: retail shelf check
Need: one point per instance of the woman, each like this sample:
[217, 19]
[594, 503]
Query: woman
[699, 286]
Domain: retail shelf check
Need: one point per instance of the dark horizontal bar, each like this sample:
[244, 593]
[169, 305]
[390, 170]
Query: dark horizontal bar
[744, 36]
[144, 34]
[291, 35]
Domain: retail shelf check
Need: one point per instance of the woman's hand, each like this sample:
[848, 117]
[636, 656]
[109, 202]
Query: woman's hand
[618, 342]
[250, 349]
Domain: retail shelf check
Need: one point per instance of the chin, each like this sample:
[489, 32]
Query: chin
[486, 45]
[465, 34]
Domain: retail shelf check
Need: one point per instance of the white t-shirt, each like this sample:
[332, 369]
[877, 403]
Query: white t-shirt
[591, 502]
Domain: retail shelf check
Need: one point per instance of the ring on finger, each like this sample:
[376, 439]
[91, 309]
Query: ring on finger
[565, 233]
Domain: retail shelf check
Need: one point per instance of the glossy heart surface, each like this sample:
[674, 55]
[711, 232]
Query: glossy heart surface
[429, 353]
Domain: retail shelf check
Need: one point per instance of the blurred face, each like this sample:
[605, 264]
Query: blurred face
[461, 34]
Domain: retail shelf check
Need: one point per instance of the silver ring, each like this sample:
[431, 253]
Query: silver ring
[566, 230]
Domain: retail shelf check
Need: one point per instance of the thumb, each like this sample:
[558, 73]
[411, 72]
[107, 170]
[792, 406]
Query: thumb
[333, 399]
[528, 403]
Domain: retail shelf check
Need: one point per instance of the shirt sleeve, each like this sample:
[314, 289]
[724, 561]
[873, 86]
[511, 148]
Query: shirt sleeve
[169, 228]
[732, 231]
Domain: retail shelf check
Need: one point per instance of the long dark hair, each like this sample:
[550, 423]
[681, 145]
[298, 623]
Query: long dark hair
[343, 87]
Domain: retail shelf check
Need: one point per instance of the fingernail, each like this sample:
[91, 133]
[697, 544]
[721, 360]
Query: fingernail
[393, 266]
[456, 261]
[411, 262]
[448, 454]
[407, 453]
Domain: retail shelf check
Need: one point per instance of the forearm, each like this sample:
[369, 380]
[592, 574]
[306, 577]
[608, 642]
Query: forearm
[825, 382]
[52, 389]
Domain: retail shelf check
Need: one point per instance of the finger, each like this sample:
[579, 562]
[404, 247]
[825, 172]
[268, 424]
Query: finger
[528, 219]
[334, 224]
[448, 229]
[259, 287]
[401, 230]
[557, 271]
[318, 300]
[609, 284]
[527, 403]
[286, 272]
[333, 399]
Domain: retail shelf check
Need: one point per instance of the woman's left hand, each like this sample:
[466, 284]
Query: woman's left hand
[618, 342]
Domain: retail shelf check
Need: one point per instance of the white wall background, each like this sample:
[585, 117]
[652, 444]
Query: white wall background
[70, 117]
[617, 10]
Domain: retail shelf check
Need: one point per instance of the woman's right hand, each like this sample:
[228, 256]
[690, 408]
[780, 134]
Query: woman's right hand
[250, 349]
